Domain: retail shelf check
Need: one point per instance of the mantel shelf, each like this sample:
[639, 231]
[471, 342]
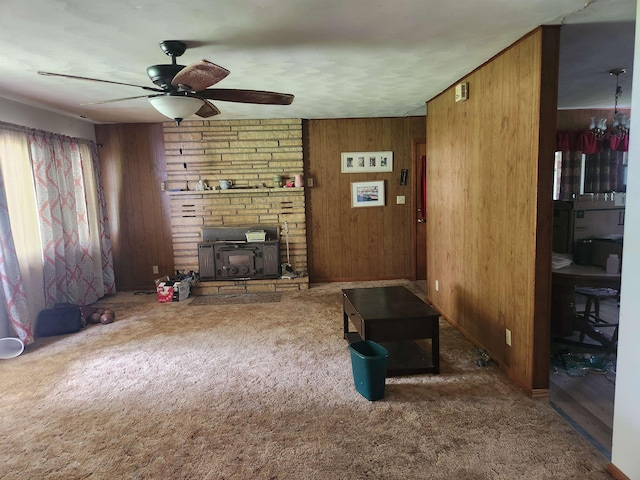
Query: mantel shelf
[229, 191]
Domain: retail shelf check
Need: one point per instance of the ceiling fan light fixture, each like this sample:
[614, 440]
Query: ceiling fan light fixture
[176, 107]
[182, 91]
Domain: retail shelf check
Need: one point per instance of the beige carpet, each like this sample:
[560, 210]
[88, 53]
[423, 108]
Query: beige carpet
[264, 391]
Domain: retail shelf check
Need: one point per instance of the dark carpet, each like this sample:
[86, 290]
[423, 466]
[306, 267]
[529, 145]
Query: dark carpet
[240, 298]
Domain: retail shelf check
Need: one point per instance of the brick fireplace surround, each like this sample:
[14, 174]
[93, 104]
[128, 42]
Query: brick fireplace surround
[249, 153]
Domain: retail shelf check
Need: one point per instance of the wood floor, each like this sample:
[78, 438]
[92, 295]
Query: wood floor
[586, 401]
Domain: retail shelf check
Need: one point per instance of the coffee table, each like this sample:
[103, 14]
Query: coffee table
[395, 318]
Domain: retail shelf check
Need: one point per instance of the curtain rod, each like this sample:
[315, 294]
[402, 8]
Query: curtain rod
[22, 129]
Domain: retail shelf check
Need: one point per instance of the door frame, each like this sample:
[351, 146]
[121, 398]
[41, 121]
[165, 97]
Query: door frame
[416, 163]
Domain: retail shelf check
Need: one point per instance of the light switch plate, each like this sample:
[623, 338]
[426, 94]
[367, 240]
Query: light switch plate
[400, 200]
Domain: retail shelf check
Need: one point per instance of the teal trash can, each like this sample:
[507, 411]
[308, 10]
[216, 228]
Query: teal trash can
[369, 365]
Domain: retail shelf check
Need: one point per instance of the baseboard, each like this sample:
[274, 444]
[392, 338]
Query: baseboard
[616, 473]
[540, 393]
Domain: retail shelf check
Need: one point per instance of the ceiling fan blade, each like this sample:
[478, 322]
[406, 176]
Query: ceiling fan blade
[75, 77]
[199, 75]
[207, 110]
[246, 96]
[115, 100]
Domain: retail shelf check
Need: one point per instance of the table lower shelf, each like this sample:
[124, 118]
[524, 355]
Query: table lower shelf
[405, 357]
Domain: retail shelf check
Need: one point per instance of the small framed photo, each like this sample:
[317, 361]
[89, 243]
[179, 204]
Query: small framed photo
[367, 194]
[358, 162]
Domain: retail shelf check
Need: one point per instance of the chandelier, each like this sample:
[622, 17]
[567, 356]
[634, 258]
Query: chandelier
[620, 120]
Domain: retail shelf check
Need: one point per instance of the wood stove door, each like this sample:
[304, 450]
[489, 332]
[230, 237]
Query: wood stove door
[238, 263]
[206, 266]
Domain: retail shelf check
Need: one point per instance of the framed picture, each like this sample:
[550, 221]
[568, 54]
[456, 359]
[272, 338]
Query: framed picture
[358, 162]
[367, 194]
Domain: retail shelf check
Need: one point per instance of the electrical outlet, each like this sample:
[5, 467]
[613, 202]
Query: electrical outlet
[309, 182]
[400, 200]
[437, 286]
[163, 186]
[508, 337]
[155, 269]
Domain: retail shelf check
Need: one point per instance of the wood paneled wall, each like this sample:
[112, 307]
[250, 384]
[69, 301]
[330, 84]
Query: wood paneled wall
[343, 243]
[365, 243]
[579, 119]
[133, 166]
[489, 206]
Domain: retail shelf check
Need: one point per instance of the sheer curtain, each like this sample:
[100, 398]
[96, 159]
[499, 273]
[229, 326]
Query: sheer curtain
[12, 296]
[20, 239]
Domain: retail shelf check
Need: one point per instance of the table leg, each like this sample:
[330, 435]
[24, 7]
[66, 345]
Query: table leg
[346, 324]
[435, 346]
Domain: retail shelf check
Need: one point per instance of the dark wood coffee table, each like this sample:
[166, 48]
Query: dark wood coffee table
[395, 318]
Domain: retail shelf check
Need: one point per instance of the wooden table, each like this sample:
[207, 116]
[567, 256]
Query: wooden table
[395, 318]
[564, 320]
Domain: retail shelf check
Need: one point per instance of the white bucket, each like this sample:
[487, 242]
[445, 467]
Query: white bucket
[10, 347]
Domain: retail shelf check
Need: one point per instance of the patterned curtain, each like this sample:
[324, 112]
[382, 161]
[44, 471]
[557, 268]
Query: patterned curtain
[604, 172]
[604, 169]
[570, 177]
[68, 263]
[104, 236]
[12, 295]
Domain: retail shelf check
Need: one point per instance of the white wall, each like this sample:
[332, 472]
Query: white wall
[625, 454]
[28, 116]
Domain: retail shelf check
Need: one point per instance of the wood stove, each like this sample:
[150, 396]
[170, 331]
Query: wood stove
[221, 257]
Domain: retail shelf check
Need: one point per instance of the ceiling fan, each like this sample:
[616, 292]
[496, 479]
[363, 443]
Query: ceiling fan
[182, 91]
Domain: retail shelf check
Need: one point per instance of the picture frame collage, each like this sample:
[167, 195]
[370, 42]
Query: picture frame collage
[360, 162]
[371, 193]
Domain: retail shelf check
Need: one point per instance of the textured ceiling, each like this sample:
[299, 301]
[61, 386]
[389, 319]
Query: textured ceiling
[340, 58]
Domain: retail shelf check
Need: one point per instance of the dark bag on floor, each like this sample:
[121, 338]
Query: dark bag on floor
[62, 318]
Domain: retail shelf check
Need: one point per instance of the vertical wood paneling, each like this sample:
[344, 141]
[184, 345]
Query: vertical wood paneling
[579, 120]
[368, 243]
[487, 211]
[133, 167]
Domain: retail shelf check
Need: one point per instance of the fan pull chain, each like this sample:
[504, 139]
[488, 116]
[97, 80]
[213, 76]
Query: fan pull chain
[181, 143]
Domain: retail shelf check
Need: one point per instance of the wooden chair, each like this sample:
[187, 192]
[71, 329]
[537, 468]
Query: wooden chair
[593, 296]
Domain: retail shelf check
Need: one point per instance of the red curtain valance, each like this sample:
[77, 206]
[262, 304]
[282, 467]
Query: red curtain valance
[586, 142]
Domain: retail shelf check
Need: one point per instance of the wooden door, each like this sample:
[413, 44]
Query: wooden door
[420, 167]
